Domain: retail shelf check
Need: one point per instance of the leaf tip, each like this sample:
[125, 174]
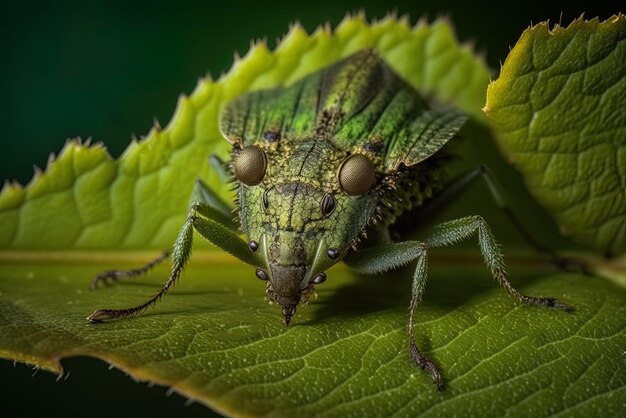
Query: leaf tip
[348, 19]
[422, 22]
[404, 19]
[470, 45]
[156, 125]
[258, 43]
[444, 19]
[236, 59]
[51, 158]
[10, 186]
[323, 29]
[359, 14]
[295, 26]
[37, 173]
[391, 15]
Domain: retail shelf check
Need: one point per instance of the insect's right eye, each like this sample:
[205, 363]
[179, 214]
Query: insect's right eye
[250, 165]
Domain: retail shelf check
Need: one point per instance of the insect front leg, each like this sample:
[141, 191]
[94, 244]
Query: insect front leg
[211, 229]
[180, 255]
[456, 230]
[380, 259]
[212, 206]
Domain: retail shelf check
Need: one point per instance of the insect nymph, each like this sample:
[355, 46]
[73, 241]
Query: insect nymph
[321, 164]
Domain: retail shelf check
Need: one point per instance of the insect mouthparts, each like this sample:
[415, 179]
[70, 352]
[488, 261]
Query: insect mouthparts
[288, 313]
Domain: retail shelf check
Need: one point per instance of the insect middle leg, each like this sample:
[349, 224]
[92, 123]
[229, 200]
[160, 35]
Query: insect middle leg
[200, 218]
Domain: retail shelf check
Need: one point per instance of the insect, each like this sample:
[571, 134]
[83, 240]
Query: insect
[323, 169]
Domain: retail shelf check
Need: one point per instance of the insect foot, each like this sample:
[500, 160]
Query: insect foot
[98, 316]
[547, 302]
[428, 365]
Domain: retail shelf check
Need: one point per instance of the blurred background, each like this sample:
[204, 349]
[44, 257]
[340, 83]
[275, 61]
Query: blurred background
[106, 70]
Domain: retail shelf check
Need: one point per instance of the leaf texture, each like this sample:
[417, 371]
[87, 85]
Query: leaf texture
[559, 108]
[214, 339]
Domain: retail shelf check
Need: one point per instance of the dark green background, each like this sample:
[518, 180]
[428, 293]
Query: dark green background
[105, 70]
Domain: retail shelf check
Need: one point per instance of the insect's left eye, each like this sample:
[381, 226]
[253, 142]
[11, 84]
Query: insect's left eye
[250, 165]
[328, 204]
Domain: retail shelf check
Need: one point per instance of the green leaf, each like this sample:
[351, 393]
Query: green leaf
[215, 340]
[85, 200]
[559, 108]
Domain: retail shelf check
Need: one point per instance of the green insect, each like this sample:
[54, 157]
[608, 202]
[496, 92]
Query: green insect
[323, 168]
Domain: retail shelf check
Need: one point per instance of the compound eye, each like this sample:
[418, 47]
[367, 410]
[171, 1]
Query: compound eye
[250, 165]
[356, 174]
[328, 204]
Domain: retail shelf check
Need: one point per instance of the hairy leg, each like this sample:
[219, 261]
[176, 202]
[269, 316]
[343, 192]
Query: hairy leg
[456, 230]
[213, 231]
[206, 202]
[461, 184]
[180, 255]
[109, 276]
[387, 257]
[380, 259]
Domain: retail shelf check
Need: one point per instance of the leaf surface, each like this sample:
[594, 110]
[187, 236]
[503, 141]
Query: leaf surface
[559, 107]
[215, 339]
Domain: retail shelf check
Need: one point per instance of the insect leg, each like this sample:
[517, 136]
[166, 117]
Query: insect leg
[462, 183]
[109, 276]
[220, 167]
[456, 230]
[206, 201]
[199, 214]
[380, 259]
[213, 206]
[180, 255]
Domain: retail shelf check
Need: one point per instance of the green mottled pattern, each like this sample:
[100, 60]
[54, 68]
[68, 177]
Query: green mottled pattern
[297, 179]
[360, 104]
